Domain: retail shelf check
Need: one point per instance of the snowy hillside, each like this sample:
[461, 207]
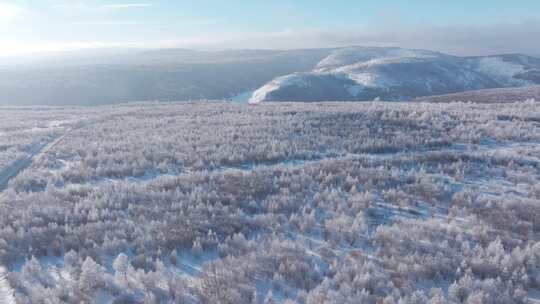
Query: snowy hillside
[499, 95]
[367, 73]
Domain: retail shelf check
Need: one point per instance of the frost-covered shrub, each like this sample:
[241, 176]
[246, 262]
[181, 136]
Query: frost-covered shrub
[302, 203]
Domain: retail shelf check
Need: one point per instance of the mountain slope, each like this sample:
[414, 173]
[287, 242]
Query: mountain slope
[366, 73]
[498, 95]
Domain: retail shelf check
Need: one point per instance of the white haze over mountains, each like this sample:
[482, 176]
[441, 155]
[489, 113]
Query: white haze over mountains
[386, 30]
[168, 74]
[477, 40]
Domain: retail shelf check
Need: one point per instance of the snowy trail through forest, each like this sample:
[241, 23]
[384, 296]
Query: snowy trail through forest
[37, 151]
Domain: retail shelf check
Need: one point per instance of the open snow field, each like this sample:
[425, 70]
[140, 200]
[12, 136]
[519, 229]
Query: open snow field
[313, 203]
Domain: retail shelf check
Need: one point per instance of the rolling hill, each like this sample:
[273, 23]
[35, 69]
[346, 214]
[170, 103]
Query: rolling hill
[367, 73]
[499, 95]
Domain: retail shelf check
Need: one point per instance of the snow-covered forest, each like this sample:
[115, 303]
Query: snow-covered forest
[317, 203]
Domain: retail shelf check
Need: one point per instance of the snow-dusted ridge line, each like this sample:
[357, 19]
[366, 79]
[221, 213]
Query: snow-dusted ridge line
[262, 93]
[498, 95]
[397, 74]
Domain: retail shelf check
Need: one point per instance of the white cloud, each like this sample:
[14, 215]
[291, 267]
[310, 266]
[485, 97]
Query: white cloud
[88, 8]
[113, 23]
[126, 5]
[10, 11]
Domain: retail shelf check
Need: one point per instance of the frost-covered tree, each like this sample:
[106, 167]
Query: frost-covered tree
[6, 292]
[120, 266]
[91, 275]
[317, 203]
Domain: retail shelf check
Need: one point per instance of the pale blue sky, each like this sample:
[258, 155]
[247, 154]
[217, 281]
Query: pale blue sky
[458, 26]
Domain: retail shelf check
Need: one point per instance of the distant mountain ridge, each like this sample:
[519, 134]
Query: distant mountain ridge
[348, 74]
[174, 74]
[367, 73]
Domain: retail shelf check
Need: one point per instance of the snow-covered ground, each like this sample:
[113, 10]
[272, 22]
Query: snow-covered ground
[306, 203]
